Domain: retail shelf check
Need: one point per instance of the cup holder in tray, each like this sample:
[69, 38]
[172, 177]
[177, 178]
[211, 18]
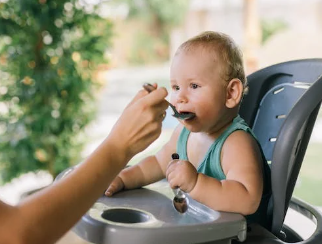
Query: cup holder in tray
[125, 216]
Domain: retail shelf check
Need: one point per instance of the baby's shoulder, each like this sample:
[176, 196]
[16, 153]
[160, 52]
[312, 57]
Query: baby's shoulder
[240, 150]
[240, 139]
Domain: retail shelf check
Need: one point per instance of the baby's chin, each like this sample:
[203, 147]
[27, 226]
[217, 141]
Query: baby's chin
[191, 127]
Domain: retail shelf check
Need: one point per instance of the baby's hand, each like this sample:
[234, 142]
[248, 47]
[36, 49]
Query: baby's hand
[116, 186]
[182, 174]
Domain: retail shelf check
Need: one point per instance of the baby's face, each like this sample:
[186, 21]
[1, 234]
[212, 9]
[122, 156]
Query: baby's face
[197, 87]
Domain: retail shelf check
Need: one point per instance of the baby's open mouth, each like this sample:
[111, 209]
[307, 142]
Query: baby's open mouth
[186, 115]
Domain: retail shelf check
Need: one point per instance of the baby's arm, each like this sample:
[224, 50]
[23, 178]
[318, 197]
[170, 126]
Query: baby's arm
[145, 172]
[242, 190]
[148, 170]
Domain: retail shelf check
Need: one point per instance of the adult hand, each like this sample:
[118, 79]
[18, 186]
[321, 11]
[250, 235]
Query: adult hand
[182, 174]
[140, 123]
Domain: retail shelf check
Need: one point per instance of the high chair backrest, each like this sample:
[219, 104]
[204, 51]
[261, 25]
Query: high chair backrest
[281, 108]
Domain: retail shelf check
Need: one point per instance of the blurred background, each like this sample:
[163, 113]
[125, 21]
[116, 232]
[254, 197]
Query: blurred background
[68, 69]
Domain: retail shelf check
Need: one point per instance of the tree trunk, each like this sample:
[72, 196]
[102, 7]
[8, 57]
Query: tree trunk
[252, 35]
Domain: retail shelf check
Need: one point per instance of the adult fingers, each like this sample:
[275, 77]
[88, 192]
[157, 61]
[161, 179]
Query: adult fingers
[143, 92]
[138, 96]
[140, 123]
[156, 97]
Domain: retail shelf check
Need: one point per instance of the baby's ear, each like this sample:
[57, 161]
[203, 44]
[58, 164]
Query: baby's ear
[234, 92]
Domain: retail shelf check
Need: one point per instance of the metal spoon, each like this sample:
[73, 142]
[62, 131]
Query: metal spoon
[148, 87]
[180, 200]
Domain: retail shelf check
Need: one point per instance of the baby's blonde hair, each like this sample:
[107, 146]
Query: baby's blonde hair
[226, 49]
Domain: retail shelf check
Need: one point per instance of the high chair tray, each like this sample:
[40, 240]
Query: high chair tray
[146, 215]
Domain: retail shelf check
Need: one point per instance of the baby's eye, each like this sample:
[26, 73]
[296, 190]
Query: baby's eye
[194, 86]
[175, 88]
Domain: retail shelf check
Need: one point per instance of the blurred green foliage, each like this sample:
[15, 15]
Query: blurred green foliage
[158, 17]
[48, 53]
[162, 13]
[308, 186]
[271, 27]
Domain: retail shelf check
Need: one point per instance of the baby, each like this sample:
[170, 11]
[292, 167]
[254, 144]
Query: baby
[221, 163]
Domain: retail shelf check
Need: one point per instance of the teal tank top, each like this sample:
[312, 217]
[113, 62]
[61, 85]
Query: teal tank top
[211, 166]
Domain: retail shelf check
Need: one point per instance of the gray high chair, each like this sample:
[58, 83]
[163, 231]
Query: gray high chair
[281, 108]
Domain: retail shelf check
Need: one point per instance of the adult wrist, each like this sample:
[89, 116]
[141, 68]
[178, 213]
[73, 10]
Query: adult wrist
[118, 148]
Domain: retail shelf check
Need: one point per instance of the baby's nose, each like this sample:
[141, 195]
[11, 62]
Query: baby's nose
[182, 97]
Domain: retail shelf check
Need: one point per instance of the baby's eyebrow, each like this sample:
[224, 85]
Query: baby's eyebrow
[173, 82]
[186, 79]
[192, 79]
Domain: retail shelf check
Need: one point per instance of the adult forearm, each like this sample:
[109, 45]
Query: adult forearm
[47, 215]
[60, 206]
